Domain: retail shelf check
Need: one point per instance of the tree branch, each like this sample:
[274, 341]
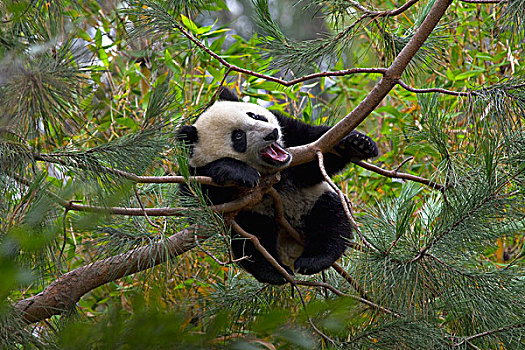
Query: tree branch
[66, 291]
[255, 241]
[271, 78]
[250, 199]
[385, 13]
[339, 293]
[425, 91]
[487, 333]
[394, 174]
[305, 153]
[205, 180]
[344, 201]
[483, 1]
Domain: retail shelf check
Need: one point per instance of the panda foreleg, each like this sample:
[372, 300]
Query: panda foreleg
[229, 170]
[353, 147]
[327, 231]
[265, 229]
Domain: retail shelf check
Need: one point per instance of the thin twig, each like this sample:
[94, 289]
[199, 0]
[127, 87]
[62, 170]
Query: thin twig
[491, 332]
[403, 163]
[220, 85]
[204, 180]
[271, 78]
[339, 293]
[64, 219]
[483, 1]
[397, 175]
[281, 219]
[213, 256]
[343, 273]
[446, 232]
[144, 210]
[385, 13]
[429, 90]
[250, 199]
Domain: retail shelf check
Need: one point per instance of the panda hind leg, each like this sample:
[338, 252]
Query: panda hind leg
[327, 232]
[264, 228]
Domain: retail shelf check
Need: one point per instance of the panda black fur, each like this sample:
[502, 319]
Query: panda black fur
[237, 142]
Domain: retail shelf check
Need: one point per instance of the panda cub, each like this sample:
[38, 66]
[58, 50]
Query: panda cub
[237, 142]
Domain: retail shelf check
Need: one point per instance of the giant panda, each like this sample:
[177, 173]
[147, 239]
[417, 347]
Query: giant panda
[235, 142]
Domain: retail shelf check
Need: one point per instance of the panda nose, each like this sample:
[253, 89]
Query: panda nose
[272, 136]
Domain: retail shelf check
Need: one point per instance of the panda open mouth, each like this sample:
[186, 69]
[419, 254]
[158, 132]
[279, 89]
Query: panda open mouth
[275, 155]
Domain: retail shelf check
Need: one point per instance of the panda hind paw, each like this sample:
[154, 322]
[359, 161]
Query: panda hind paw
[274, 277]
[309, 265]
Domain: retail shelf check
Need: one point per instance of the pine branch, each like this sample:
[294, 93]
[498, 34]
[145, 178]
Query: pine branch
[341, 294]
[65, 292]
[386, 13]
[491, 332]
[250, 199]
[204, 180]
[305, 153]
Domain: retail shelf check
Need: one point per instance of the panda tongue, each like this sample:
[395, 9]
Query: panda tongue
[275, 152]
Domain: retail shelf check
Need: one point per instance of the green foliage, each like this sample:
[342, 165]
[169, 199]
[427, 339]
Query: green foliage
[92, 93]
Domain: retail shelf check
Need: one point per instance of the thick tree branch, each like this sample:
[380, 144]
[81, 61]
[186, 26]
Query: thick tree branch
[305, 153]
[66, 291]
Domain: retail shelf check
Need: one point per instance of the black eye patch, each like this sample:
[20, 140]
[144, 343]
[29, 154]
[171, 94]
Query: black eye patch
[239, 140]
[257, 116]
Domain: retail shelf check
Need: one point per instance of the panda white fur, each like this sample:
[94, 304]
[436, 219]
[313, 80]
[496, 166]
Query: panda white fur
[237, 142]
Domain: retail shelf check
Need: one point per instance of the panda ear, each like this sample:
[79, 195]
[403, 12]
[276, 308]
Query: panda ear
[228, 95]
[188, 134]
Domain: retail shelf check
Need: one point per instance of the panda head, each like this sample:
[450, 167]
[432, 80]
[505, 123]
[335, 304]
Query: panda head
[243, 131]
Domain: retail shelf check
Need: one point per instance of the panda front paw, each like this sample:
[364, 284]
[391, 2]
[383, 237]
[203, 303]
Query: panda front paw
[246, 178]
[237, 174]
[358, 146]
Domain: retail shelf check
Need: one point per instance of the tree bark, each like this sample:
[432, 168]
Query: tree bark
[66, 291]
